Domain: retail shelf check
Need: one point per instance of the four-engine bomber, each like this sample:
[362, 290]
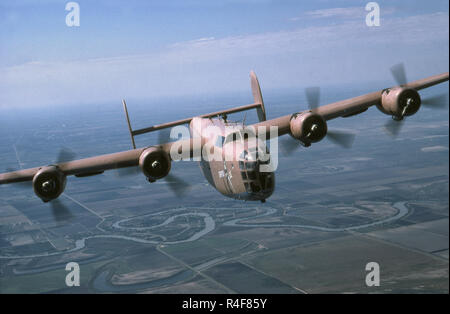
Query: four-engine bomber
[235, 158]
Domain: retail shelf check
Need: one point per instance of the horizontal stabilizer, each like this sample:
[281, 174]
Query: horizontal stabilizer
[258, 105]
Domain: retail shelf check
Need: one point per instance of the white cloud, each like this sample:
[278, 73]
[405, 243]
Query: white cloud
[340, 53]
[347, 13]
[338, 12]
[434, 149]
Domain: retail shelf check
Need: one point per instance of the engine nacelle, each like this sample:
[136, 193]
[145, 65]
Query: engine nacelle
[155, 163]
[399, 102]
[308, 127]
[49, 183]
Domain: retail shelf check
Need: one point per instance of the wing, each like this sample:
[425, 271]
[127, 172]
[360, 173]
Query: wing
[94, 165]
[360, 104]
[352, 106]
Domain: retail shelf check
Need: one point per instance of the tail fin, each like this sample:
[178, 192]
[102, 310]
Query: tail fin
[129, 124]
[257, 97]
[133, 133]
[258, 105]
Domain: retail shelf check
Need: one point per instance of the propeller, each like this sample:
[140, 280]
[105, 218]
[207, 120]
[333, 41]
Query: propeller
[341, 138]
[163, 137]
[436, 102]
[399, 73]
[65, 155]
[177, 185]
[60, 211]
[288, 145]
[394, 126]
[313, 97]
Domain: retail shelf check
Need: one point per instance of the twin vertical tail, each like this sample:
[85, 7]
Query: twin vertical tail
[129, 124]
[257, 97]
[258, 105]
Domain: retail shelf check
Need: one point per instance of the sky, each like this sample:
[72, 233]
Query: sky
[150, 49]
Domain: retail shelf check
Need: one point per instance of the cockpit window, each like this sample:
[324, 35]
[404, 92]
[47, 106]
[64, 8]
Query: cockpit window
[235, 136]
[243, 155]
[219, 141]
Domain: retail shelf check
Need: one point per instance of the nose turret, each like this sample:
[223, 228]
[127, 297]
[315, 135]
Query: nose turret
[258, 185]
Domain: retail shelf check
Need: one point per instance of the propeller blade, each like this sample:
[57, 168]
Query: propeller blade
[393, 127]
[288, 145]
[313, 97]
[60, 211]
[399, 73]
[65, 155]
[341, 138]
[436, 102]
[178, 186]
[164, 136]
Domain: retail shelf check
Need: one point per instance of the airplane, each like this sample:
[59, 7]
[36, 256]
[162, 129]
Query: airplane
[238, 172]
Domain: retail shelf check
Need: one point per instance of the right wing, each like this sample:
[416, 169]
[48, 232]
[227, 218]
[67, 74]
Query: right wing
[348, 107]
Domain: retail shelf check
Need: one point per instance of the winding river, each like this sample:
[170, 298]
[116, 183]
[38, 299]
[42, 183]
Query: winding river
[210, 225]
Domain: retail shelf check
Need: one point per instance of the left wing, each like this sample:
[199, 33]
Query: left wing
[98, 164]
[82, 167]
[49, 181]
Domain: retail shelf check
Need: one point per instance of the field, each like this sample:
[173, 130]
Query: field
[333, 211]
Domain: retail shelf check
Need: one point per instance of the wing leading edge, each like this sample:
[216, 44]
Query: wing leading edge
[348, 107]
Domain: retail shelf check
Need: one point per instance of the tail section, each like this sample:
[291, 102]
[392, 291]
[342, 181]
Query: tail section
[257, 97]
[258, 105]
[129, 124]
